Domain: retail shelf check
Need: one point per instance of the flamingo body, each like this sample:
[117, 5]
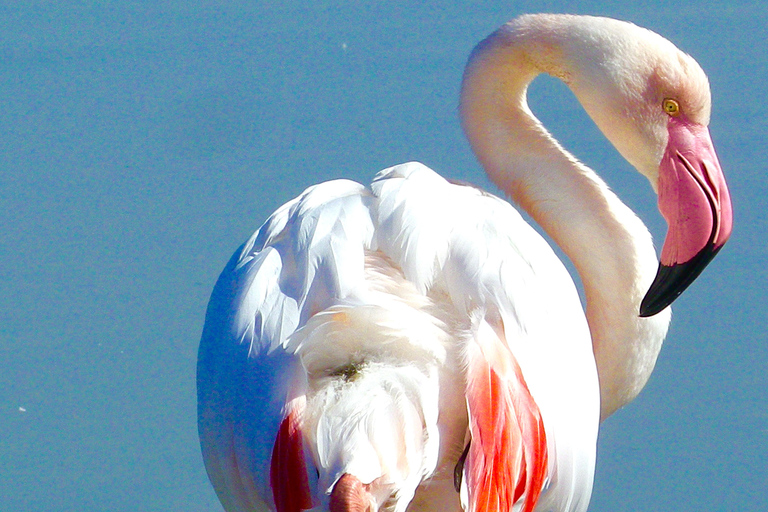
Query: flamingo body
[330, 314]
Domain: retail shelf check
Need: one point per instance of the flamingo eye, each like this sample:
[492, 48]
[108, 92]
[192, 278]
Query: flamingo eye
[671, 107]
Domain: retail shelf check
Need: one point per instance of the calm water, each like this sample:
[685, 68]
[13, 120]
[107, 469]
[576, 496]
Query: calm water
[140, 146]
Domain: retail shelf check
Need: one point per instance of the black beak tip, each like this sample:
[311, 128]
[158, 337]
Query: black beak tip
[662, 292]
[672, 280]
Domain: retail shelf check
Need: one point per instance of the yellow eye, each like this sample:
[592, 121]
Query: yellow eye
[671, 107]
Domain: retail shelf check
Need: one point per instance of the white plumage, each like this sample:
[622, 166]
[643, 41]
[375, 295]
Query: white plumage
[347, 265]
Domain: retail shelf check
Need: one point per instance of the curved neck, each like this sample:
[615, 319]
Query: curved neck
[609, 246]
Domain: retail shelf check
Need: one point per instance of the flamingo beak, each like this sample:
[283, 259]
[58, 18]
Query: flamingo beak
[694, 200]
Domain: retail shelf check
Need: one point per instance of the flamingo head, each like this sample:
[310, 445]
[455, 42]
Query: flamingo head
[653, 103]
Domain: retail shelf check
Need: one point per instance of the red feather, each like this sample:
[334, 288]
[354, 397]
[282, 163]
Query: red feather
[288, 472]
[508, 453]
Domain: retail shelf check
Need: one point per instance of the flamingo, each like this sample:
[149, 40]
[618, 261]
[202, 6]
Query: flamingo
[416, 345]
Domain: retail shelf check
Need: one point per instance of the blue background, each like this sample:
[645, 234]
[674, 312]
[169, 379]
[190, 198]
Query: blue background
[141, 143]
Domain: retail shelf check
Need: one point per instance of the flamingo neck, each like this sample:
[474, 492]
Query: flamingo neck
[609, 246]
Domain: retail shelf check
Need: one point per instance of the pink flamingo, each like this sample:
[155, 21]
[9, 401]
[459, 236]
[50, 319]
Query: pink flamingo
[416, 345]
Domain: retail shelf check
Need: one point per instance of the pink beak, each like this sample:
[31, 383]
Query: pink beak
[694, 200]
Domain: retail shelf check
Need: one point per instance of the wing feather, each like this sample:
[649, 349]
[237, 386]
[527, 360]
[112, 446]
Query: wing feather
[476, 249]
[308, 255]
